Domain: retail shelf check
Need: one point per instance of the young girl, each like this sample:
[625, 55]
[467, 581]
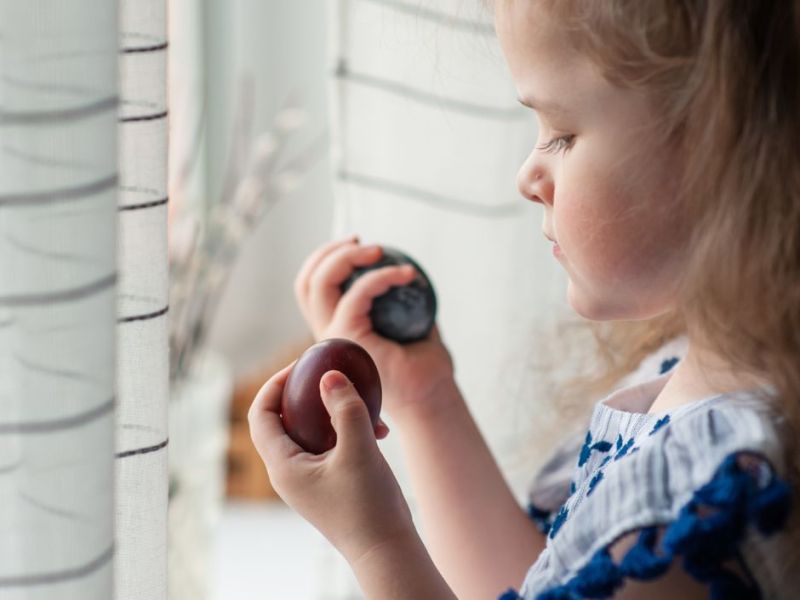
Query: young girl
[667, 171]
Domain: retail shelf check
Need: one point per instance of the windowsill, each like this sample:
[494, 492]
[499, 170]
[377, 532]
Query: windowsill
[265, 550]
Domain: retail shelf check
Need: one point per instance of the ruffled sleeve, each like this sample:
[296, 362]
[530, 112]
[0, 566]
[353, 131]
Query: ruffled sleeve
[556, 480]
[706, 489]
[554, 483]
[706, 536]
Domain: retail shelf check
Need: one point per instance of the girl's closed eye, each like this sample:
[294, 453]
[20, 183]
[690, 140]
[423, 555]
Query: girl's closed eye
[558, 144]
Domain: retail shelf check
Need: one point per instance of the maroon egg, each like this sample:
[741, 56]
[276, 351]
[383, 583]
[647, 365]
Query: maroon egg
[304, 415]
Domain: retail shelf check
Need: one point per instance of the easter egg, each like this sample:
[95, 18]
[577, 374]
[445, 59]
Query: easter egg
[304, 416]
[405, 313]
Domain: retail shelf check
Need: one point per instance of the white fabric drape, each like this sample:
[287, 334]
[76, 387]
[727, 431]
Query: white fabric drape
[83, 274]
[58, 275]
[143, 359]
[427, 139]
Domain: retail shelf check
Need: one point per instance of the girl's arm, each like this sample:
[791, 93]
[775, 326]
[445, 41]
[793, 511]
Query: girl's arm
[400, 569]
[478, 535]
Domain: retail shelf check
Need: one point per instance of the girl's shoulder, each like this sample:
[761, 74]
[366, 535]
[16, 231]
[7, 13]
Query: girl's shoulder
[555, 481]
[704, 483]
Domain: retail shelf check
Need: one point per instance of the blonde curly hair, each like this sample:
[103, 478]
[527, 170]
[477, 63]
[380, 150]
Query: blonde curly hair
[725, 77]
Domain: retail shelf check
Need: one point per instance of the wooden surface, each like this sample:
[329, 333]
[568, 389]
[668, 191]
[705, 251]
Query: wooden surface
[246, 475]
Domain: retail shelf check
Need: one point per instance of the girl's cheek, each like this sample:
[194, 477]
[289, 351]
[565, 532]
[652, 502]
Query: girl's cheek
[573, 221]
[587, 238]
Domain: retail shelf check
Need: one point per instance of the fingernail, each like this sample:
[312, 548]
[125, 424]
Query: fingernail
[334, 381]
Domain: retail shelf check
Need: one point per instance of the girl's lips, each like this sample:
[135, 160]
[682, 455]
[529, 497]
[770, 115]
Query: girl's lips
[556, 249]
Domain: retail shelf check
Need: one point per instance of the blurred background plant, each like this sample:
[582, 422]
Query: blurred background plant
[206, 236]
[204, 244]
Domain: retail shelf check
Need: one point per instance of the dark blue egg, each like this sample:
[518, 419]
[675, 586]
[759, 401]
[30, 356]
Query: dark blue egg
[405, 313]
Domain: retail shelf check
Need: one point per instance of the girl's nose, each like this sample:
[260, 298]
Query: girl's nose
[533, 182]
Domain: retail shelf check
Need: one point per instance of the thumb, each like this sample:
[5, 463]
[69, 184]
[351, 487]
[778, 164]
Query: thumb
[349, 414]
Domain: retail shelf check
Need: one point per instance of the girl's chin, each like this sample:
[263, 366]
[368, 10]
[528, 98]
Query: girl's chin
[588, 307]
[595, 309]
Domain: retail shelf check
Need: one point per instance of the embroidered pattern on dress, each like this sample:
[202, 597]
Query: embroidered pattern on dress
[744, 491]
[558, 521]
[659, 424]
[588, 447]
[544, 519]
[622, 449]
[597, 478]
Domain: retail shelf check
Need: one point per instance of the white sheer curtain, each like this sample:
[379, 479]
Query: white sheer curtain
[427, 139]
[58, 276]
[143, 357]
[83, 357]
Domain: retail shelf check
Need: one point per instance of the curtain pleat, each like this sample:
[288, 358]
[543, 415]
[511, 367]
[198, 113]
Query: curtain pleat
[143, 311]
[83, 300]
[58, 294]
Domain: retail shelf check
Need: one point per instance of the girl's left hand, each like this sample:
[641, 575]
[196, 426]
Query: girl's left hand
[348, 493]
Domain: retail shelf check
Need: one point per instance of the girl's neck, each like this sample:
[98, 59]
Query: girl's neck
[700, 374]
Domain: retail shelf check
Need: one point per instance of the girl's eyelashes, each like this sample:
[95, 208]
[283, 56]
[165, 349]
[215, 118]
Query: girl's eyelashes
[557, 144]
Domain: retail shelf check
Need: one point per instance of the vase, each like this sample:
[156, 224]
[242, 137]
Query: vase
[199, 435]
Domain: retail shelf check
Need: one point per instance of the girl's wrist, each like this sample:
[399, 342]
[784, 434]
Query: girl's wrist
[400, 567]
[442, 397]
[405, 541]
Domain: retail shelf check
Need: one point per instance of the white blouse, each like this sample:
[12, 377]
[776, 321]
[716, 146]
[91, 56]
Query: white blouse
[701, 483]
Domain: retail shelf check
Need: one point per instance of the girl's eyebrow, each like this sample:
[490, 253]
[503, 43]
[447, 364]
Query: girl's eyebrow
[543, 106]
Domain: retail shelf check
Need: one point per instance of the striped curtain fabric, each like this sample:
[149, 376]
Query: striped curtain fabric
[83, 360]
[58, 284]
[427, 138]
[143, 353]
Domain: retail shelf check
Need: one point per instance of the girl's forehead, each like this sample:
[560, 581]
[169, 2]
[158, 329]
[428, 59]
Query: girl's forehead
[526, 25]
[539, 54]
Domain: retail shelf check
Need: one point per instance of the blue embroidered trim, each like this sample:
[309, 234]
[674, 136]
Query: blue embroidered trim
[641, 562]
[598, 477]
[659, 424]
[541, 517]
[588, 447]
[558, 521]
[602, 446]
[510, 594]
[706, 533]
[667, 364]
[622, 449]
[600, 576]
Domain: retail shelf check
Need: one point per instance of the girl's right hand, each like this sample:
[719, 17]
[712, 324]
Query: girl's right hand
[410, 373]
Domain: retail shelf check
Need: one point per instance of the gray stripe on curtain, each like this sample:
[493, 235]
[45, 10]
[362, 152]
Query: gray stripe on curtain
[439, 17]
[58, 278]
[143, 304]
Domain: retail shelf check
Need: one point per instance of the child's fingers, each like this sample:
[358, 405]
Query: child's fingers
[381, 430]
[357, 302]
[303, 278]
[266, 427]
[266, 398]
[332, 271]
[355, 436]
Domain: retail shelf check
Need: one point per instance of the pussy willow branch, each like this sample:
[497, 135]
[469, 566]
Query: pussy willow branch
[231, 250]
[249, 194]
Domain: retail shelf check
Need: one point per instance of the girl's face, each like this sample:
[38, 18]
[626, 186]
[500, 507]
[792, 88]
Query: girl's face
[607, 187]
